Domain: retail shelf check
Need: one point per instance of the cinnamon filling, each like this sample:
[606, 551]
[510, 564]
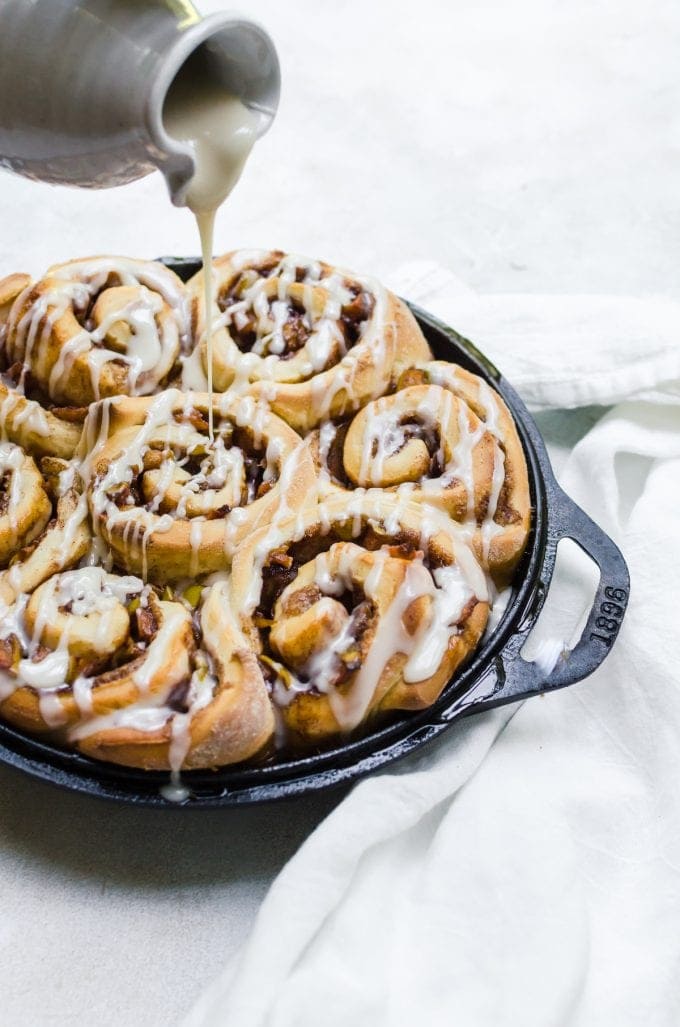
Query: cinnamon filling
[178, 699]
[282, 565]
[296, 332]
[357, 632]
[408, 428]
[83, 311]
[355, 313]
[335, 463]
[5, 482]
[299, 326]
[257, 475]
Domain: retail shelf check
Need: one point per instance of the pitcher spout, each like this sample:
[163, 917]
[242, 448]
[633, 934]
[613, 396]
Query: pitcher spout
[104, 126]
[236, 53]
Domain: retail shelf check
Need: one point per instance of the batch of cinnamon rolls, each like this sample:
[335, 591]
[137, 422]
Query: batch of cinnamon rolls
[194, 580]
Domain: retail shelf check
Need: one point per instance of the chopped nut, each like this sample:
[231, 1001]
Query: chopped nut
[147, 625]
[153, 458]
[10, 652]
[193, 417]
[192, 595]
[262, 622]
[351, 658]
[359, 308]
[403, 550]
[411, 376]
[272, 670]
[72, 415]
[373, 538]
[281, 558]
[264, 488]
[301, 600]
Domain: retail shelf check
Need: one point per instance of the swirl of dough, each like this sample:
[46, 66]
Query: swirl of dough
[40, 432]
[102, 326]
[443, 438]
[357, 607]
[65, 540]
[25, 507]
[220, 713]
[313, 340]
[89, 644]
[173, 503]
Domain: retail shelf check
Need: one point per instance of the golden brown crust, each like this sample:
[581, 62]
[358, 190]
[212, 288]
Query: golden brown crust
[194, 525]
[10, 288]
[340, 338]
[175, 599]
[442, 438]
[102, 326]
[25, 507]
[371, 593]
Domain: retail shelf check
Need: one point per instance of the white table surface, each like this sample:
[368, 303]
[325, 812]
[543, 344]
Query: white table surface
[531, 146]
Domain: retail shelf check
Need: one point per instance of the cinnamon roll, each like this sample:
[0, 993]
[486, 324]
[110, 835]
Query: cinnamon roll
[103, 326]
[218, 715]
[89, 643]
[171, 503]
[444, 438]
[314, 341]
[39, 431]
[185, 581]
[359, 606]
[98, 661]
[25, 507]
[65, 540]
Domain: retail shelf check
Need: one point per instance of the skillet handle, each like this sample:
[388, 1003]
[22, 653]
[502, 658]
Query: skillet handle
[510, 677]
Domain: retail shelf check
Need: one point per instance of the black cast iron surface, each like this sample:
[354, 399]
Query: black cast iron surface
[497, 673]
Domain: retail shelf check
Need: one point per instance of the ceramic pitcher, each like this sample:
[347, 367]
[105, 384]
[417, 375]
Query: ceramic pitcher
[82, 85]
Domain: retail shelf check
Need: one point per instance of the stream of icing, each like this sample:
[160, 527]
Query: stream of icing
[221, 132]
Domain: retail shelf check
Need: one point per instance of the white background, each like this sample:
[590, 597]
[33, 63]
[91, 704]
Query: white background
[529, 146]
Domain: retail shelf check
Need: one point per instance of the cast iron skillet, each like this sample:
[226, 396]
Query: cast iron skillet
[496, 675]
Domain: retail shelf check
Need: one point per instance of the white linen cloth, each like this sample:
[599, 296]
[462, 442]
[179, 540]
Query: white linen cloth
[525, 869]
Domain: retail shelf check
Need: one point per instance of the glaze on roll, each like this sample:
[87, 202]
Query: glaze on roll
[104, 326]
[443, 438]
[357, 607]
[312, 340]
[191, 580]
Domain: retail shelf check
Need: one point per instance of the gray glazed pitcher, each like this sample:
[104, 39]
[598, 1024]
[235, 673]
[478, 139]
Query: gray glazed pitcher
[82, 85]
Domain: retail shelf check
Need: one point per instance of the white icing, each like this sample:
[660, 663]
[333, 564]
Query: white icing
[173, 620]
[154, 340]
[12, 461]
[91, 590]
[447, 589]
